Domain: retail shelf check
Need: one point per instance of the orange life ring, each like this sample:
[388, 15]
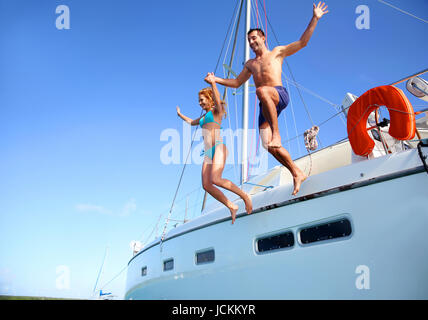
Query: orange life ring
[402, 117]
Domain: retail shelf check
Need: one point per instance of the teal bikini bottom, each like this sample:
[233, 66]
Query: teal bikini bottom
[211, 151]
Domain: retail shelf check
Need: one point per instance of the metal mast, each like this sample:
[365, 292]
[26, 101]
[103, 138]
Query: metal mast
[244, 151]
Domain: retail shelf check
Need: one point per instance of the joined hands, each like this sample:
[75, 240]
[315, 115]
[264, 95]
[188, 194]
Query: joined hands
[210, 78]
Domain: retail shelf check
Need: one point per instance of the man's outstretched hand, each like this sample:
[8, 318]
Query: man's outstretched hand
[320, 9]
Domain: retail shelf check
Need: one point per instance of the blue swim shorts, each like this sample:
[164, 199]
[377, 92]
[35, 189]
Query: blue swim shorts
[283, 102]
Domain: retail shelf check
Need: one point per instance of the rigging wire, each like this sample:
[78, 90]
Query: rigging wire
[257, 13]
[294, 119]
[227, 32]
[335, 106]
[115, 277]
[235, 23]
[231, 138]
[99, 273]
[266, 33]
[405, 12]
[179, 182]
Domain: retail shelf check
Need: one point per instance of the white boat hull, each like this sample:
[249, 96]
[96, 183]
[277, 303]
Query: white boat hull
[384, 257]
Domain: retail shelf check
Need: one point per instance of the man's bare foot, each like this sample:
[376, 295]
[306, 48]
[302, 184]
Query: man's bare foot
[233, 209]
[275, 142]
[248, 203]
[298, 181]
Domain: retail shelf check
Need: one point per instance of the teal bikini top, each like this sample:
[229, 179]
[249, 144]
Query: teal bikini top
[209, 117]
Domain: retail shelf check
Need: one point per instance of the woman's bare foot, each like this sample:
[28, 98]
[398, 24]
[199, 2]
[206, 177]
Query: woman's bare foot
[233, 209]
[298, 179]
[248, 203]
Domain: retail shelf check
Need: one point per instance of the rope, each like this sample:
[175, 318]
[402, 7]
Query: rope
[310, 163]
[310, 135]
[311, 143]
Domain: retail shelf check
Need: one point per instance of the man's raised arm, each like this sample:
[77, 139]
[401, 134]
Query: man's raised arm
[293, 47]
[235, 83]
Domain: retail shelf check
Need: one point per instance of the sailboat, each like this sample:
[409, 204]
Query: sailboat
[356, 230]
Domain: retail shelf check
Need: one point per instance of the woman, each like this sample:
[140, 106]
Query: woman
[215, 150]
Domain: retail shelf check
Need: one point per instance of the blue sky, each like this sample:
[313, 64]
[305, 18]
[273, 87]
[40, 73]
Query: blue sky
[82, 111]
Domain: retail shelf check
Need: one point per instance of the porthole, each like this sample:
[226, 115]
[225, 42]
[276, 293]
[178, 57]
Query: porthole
[205, 256]
[168, 265]
[326, 231]
[275, 242]
[143, 271]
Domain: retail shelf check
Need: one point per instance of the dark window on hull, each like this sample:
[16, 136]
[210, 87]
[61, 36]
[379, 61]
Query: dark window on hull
[275, 242]
[205, 256]
[143, 271]
[168, 265]
[326, 231]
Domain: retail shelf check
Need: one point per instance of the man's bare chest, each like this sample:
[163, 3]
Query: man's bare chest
[265, 65]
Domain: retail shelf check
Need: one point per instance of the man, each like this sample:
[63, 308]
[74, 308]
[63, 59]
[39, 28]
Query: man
[266, 69]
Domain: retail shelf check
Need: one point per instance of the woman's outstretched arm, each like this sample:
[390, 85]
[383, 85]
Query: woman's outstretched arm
[190, 121]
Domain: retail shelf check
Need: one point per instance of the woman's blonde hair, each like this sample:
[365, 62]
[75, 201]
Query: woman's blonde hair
[208, 93]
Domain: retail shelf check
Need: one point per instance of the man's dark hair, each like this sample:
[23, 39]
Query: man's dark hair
[259, 31]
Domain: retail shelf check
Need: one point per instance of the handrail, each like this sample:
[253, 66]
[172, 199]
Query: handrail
[407, 78]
